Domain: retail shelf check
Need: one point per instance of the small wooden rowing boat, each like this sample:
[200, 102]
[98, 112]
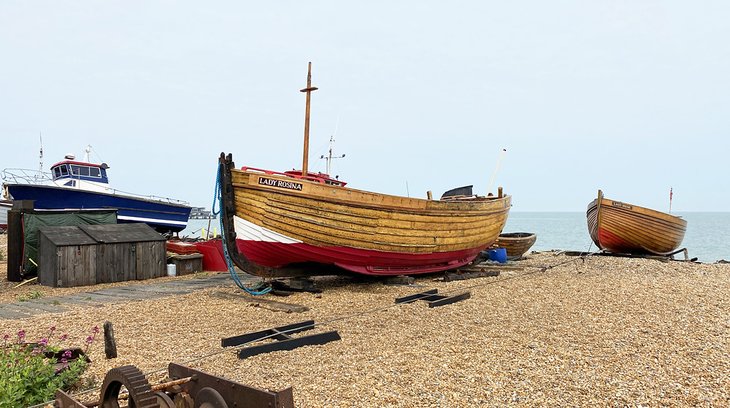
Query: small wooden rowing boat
[620, 227]
[276, 222]
[516, 243]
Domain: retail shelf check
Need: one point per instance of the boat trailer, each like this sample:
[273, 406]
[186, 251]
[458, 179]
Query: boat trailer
[187, 388]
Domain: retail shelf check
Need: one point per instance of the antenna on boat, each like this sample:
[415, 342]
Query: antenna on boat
[329, 156]
[496, 169]
[309, 89]
[40, 156]
[88, 153]
[670, 199]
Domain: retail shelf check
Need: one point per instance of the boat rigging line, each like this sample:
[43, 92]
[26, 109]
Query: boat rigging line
[496, 169]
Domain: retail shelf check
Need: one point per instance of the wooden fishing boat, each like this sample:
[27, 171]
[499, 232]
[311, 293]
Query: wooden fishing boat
[516, 243]
[625, 228]
[276, 224]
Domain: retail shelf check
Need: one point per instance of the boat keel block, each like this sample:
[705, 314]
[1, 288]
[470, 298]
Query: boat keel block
[282, 334]
[433, 298]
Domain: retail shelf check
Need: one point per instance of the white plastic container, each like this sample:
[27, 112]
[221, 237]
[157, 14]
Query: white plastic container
[171, 270]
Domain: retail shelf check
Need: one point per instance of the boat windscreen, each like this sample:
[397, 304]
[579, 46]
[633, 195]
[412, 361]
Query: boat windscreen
[79, 170]
[60, 171]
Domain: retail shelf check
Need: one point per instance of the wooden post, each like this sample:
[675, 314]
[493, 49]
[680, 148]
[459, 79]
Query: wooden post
[16, 238]
[110, 344]
[500, 194]
[309, 89]
[429, 195]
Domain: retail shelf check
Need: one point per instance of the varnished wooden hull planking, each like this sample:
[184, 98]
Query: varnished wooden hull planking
[619, 227]
[516, 243]
[279, 221]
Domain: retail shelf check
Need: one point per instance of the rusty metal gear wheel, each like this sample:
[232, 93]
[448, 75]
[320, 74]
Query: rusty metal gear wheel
[140, 392]
[164, 400]
[209, 398]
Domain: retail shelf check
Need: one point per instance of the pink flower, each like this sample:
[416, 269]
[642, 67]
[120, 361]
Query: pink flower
[95, 329]
[63, 337]
[89, 339]
[67, 354]
[21, 335]
[43, 342]
[52, 329]
[6, 337]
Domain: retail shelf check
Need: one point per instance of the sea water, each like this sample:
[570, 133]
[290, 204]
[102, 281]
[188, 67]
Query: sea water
[707, 237]
[198, 228]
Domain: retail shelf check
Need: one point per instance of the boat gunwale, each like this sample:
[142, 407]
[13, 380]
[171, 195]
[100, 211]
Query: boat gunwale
[116, 195]
[476, 206]
[656, 214]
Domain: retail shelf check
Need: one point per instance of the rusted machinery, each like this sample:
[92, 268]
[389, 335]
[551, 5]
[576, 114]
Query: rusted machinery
[187, 388]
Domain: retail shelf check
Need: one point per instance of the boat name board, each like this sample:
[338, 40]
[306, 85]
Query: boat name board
[290, 185]
[621, 205]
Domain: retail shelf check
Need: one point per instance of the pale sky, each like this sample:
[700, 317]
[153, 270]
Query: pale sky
[632, 97]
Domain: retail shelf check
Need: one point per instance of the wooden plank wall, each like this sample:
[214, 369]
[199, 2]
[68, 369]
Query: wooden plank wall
[48, 258]
[116, 262]
[151, 260]
[77, 265]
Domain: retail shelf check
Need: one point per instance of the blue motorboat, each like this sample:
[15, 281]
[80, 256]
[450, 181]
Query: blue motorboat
[76, 184]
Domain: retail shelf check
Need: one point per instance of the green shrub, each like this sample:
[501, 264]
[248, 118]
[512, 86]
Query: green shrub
[30, 296]
[30, 373]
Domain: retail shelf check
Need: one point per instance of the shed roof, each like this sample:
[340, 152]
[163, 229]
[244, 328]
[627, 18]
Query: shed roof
[119, 233]
[102, 233]
[66, 235]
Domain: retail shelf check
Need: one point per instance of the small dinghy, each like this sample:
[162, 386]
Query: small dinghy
[516, 243]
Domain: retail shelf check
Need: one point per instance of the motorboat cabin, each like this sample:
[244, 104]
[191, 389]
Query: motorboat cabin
[81, 175]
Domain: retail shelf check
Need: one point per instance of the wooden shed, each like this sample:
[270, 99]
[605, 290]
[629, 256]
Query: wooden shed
[68, 257]
[90, 254]
[128, 252]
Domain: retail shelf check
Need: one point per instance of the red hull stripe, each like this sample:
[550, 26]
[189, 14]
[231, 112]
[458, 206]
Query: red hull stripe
[369, 262]
[614, 243]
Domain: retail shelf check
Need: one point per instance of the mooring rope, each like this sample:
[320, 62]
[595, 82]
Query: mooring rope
[261, 288]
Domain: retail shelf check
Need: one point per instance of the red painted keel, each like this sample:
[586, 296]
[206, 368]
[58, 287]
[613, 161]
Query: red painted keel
[368, 262]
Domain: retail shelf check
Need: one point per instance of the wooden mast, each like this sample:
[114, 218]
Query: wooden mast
[308, 90]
